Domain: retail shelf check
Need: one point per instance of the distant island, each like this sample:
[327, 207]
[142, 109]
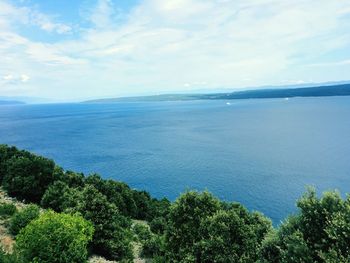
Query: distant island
[11, 102]
[319, 91]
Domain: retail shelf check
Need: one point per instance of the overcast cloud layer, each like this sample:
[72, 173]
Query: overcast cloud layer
[157, 46]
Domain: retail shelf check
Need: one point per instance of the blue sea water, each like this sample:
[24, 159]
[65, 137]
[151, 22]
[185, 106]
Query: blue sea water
[262, 153]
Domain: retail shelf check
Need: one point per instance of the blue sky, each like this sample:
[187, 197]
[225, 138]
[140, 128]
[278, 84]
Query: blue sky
[72, 50]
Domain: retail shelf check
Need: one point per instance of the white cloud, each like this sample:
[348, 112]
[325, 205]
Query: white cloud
[331, 64]
[24, 78]
[10, 14]
[7, 77]
[162, 45]
[13, 79]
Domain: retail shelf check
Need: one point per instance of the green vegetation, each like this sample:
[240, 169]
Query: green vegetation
[55, 238]
[98, 216]
[22, 218]
[7, 209]
[112, 235]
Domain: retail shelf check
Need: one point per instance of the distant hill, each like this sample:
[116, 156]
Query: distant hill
[10, 102]
[320, 91]
[27, 100]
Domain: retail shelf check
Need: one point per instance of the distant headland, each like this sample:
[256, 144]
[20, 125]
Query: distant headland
[318, 91]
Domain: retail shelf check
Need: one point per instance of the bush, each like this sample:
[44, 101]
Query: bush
[158, 225]
[22, 218]
[112, 231]
[153, 247]
[27, 178]
[55, 238]
[7, 209]
[234, 234]
[142, 232]
[6, 153]
[117, 193]
[201, 229]
[319, 232]
[9, 258]
[54, 196]
[185, 218]
[72, 179]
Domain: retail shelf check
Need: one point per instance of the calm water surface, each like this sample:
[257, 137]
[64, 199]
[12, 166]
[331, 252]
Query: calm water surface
[261, 153]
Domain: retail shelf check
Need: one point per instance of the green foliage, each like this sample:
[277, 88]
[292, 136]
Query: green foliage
[27, 177]
[55, 238]
[154, 247]
[6, 153]
[112, 235]
[201, 229]
[197, 227]
[72, 179]
[158, 225]
[236, 235]
[9, 258]
[185, 218]
[142, 232]
[159, 208]
[22, 218]
[7, 209]
[320, 232]
[116, 192]
[54, 196]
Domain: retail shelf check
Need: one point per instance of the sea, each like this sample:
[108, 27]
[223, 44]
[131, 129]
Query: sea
[263, 153]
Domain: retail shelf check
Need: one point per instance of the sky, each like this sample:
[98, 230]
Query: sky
[82, 49]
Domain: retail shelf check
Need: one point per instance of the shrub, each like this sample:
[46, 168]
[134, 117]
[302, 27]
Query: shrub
[158, 225]
[72, 179]
[22, 218]
[7, 209]
[54, 196]
[117, 193]
[28, 177]
[153, 247]
[232, 233]
[159, 208]
[6, 153]
[9, 258]
[201, 229]
[185, 217]
[112, 231]
[141, 231]
[55, 238]
[319, 232]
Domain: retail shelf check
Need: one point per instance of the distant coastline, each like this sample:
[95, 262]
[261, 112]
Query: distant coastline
[11, 102]
[319, 91]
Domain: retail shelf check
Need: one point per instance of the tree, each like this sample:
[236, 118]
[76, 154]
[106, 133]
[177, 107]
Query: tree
[72, 179]
[236, 233]
[22, 218]
[54, 196]
[6, 153]
[7, 209]
[28, 177]
[185, 218]
[141, 231]
[55, 238]
[154, 247]
[112, 231]
[9, 258]
[158, 225]
[117, 193]
[319, 232]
